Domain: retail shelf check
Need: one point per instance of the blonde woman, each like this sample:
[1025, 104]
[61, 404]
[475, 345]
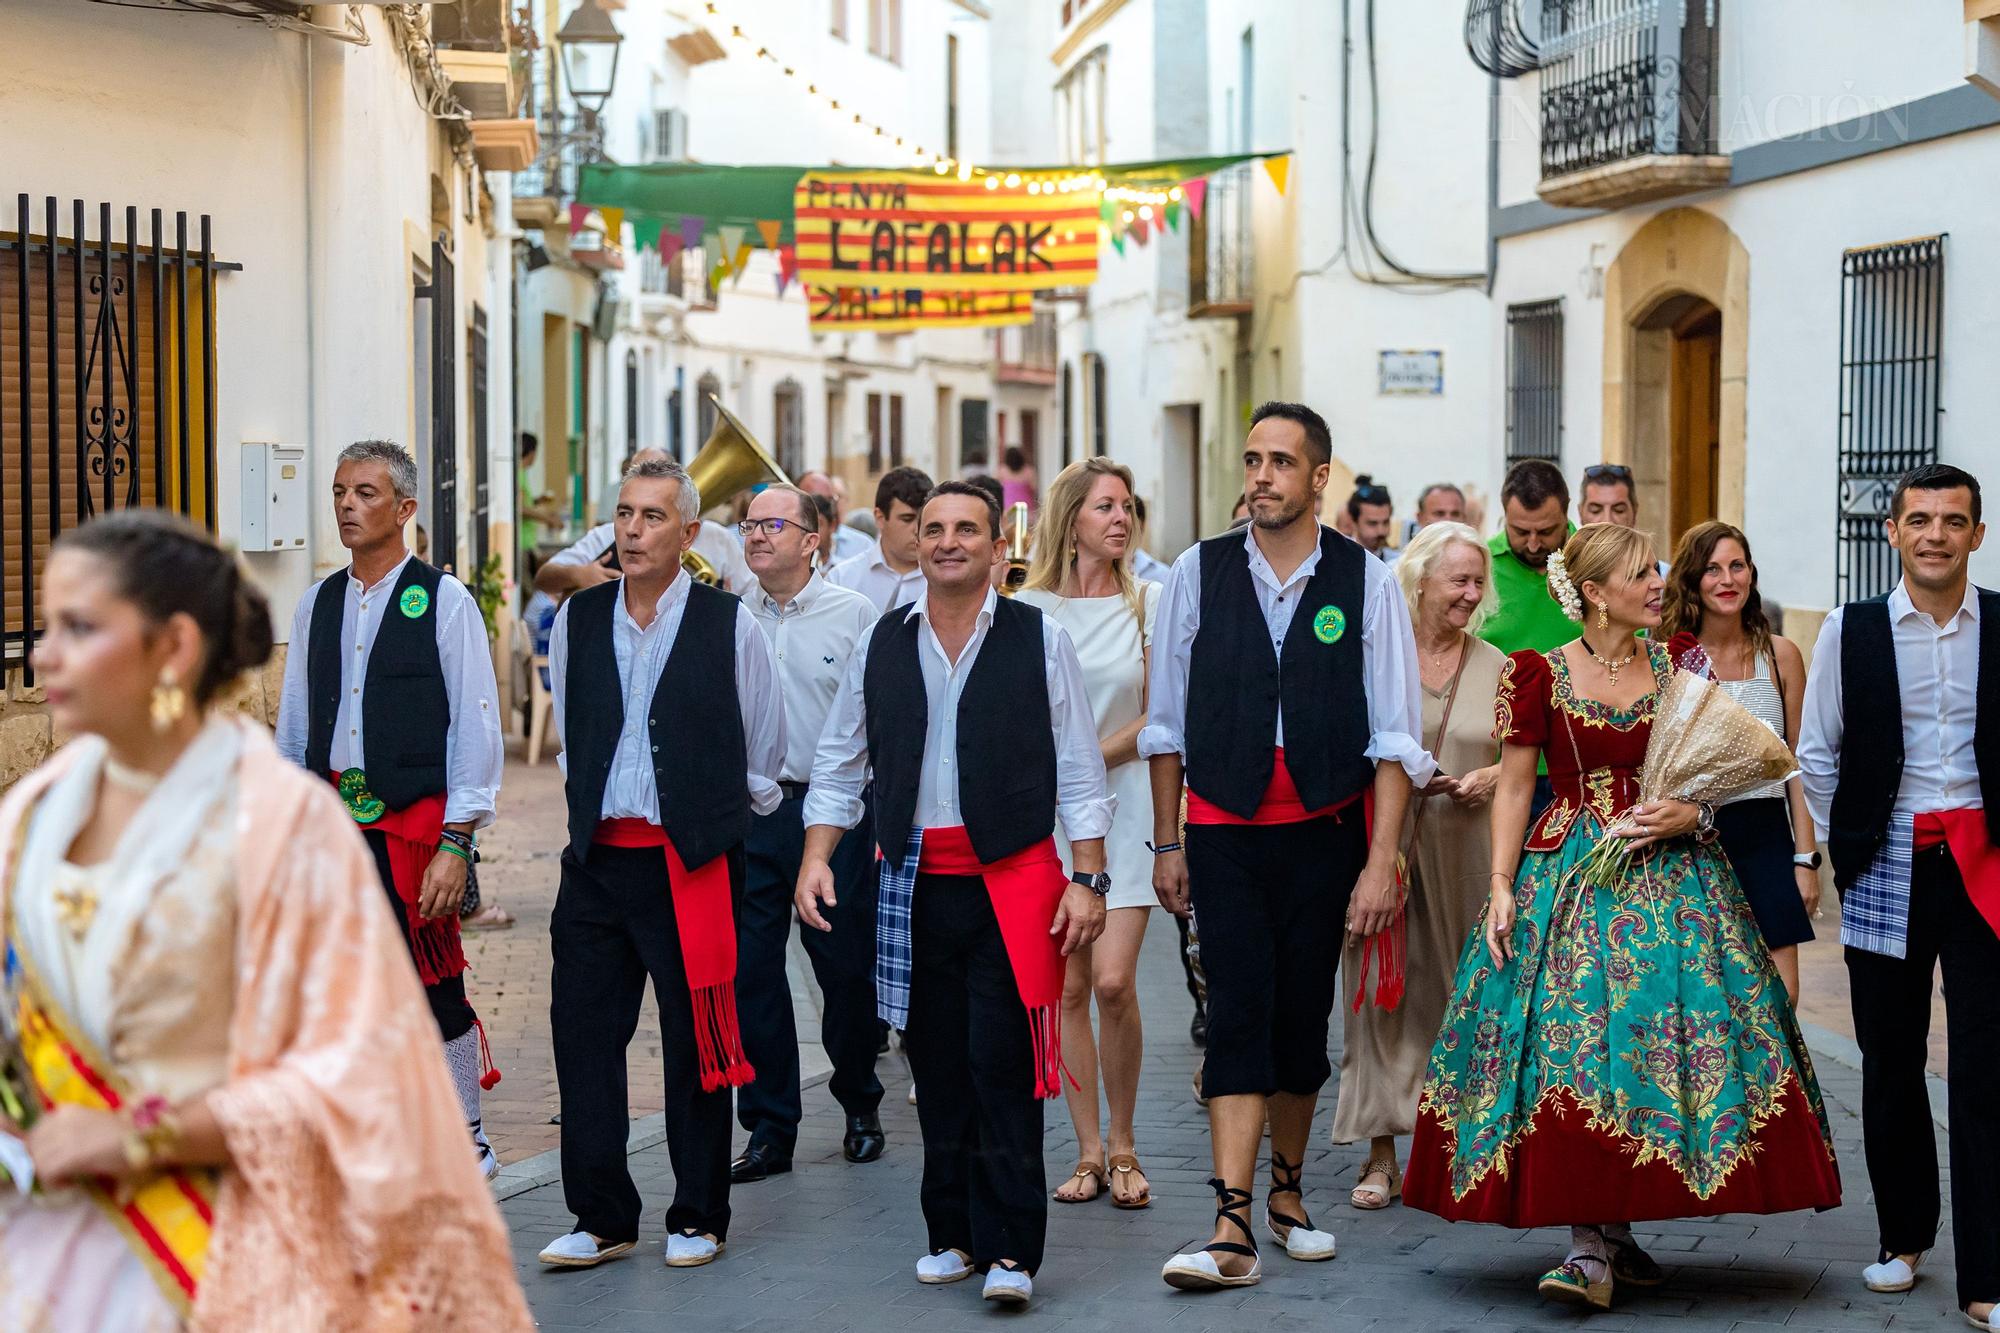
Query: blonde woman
[1081, 574]
[1446, 577]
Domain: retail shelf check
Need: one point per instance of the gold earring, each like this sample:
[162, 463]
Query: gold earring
[170, 701]
[1603, 619]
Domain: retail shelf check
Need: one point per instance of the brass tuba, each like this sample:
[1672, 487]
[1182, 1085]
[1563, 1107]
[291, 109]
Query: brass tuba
[730, 460]
[1015, 528]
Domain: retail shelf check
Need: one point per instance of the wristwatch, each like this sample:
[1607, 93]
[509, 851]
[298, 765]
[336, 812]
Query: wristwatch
[1807, 860]
[1099, 884]
[1704, 824]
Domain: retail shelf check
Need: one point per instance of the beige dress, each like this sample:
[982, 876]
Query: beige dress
[1384, 1051]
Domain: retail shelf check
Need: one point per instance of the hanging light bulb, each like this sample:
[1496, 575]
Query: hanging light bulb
[965, 171]
[1013, 179]
[1175, 194]
[1126, 216]
[992, 182]
[1034, 187]
[941, 166]
[1146, 212]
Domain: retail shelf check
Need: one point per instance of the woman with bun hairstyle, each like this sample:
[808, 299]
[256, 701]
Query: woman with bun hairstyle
[1622, 1052]
[222, 1072]
[1714, 622]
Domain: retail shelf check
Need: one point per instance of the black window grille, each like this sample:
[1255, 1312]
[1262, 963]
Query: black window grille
[706, 390]
[107, 383]
[1891, 338]
[1535, 381]
[631, 402]
[442, 292]
[482, 472]
[1068, 407]
[1099, 397]
[1622, 79]
[788, 406]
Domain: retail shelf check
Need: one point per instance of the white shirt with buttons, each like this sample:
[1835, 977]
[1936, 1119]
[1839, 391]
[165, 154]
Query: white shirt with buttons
[812, 637]
[473, 750]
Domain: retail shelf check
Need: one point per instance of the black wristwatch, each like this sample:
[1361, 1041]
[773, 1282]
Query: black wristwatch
[1099, 884]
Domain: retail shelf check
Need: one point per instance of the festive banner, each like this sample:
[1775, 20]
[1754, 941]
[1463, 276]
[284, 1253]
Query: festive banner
[770, 229]
[865, 229]
[1196, 191]
[876, 310]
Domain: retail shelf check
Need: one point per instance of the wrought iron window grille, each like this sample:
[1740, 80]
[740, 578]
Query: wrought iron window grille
[1535, 381]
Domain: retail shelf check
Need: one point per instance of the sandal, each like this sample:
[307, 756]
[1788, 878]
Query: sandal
[490, 917]
[1632, 1265]
[1370, 1198]
[1571, 1283]
[1084, 1171]
[1123, 1165]
[1300, 1239]
[1198, 1271]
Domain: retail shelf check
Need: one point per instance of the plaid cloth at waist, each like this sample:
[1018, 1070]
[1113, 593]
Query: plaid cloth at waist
[896, 890]
[1875, 909]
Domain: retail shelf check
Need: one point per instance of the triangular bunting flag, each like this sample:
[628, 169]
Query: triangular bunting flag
[671, 246]
[741, 261]
[614, 226]
[1118, 243]
[577, 215]
[1105, 211]
[1140, 228]
[770, 229]
[1173, 214]
[788, 266]
[1280, 168]
[691, 229]
[718, 273]
[732, 239]
[1196, 191]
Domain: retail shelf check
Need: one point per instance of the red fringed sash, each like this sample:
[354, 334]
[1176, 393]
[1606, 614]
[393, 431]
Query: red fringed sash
[413, 834]
[1281, 803]
[1964, 831]
[1387, 949]
[706, 921]
[1025, 890]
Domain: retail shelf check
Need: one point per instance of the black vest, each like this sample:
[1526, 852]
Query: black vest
[694, 725]
[1236, 685]
[1871, 719]
[1006, 751]
[405, 707]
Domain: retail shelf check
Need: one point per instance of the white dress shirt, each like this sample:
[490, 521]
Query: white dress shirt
[840, 768]
[869, 574]
[714, 543]
[473, 750]
[1147, 566]
[812, 637]
[1937, 674]
[847, 543]
[632, 791]
[1389, 675]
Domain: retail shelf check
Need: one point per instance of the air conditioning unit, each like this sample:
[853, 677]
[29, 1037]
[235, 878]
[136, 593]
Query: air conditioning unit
[668, 139]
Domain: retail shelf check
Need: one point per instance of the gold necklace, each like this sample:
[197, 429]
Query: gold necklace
[1611, 668]
[131, 779]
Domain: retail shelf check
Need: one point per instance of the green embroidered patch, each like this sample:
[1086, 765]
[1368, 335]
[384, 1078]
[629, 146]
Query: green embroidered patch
[1329, 624]
[363, 804]
[415, 601]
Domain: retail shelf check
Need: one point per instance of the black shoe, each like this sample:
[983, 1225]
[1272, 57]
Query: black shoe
[882, 1039]
[864, 1141]
[758, 1161]
[1198, 1028]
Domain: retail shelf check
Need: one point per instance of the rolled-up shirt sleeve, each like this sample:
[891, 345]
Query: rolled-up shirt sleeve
[1821, 727]
[291, 729]
[1084, 802]
[559, 682]
[840, 763]
[763, 708]
[475, 754]
[1390, 679]
[1174, 627]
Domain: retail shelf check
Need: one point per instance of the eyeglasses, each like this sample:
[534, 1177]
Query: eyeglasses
[771, 526]
[1608, 472]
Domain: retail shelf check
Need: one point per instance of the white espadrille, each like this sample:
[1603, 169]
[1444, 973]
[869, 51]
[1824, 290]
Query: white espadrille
[684, 1251]
[580, 1249]
[934, 1270]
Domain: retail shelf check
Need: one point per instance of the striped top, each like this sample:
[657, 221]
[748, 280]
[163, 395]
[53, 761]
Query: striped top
[1760, 695]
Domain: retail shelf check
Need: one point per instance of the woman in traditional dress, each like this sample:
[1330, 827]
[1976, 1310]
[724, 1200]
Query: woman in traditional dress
[1611, 1055]
[1714, 617]
[1081, 576]
[246, 1121]
[1445, 573]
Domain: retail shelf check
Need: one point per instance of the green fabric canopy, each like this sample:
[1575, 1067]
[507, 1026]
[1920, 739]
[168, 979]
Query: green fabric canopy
[746, 195]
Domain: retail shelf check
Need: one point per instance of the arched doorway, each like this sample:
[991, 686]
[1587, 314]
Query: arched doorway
[1675, 359]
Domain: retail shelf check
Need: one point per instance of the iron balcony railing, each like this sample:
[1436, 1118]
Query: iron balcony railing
[567, 142]
[1026, 353]
[1624, 79]
[1220, 246]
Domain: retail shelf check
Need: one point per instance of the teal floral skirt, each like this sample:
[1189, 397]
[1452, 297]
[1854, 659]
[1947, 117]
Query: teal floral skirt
[1638, 1058]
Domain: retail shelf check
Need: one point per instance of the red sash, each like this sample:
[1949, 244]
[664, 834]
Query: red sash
[1025, 890]
[706, 922]
[412, 835]
[1965, 832]
[1281, 803]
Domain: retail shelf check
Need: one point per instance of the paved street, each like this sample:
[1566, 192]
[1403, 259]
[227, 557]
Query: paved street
[830, 1246]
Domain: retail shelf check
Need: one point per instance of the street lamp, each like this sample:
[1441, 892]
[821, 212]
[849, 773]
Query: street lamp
[590, 44]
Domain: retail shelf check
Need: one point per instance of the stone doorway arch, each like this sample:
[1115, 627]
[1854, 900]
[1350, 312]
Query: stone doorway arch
[1676, 362]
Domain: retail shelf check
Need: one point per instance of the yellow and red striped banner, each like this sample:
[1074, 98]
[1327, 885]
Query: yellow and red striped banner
[911, 231]
[880, 310]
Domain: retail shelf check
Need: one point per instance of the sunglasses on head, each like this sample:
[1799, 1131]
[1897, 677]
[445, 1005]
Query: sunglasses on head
[1371, 495]
[1608, 472]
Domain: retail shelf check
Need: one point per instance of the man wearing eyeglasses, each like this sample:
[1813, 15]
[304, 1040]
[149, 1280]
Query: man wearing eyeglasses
[812, 627]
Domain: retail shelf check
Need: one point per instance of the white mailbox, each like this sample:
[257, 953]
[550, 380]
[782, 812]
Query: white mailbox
[274, 497]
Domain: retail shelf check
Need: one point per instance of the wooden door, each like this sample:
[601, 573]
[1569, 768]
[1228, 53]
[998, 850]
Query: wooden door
[1696, 421]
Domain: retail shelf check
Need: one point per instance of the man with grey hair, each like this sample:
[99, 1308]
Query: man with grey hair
[593, 557]
[406, 725]
[1439, 502]
[672, 727]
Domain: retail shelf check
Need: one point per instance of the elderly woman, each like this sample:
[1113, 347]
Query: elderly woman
[1446, 574]
[250, 1125]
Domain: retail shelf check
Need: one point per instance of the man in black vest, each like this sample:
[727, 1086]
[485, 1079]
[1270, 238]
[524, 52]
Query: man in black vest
[1283, 689]
[1900, 755]
[672, 729]
[973, 710]
[389, 694]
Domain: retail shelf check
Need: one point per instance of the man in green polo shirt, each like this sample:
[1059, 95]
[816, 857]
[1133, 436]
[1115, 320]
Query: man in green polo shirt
[1534, 507]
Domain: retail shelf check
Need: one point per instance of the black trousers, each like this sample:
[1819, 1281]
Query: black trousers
[1892, 1019]
[974, 1064]
[449, 1006]
[843, 962]
[1270, 902]
[613, 927]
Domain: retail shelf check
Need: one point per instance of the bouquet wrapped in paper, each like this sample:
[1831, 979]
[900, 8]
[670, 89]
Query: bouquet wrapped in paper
[1705, 747]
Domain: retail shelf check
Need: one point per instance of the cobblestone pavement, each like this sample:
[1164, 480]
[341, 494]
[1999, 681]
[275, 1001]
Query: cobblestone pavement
[830, 1246]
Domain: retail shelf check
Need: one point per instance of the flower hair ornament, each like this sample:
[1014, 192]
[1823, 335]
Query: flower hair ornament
[1562, 589]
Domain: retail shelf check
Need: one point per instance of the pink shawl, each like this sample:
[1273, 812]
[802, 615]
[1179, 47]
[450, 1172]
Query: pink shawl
[354, 1202]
